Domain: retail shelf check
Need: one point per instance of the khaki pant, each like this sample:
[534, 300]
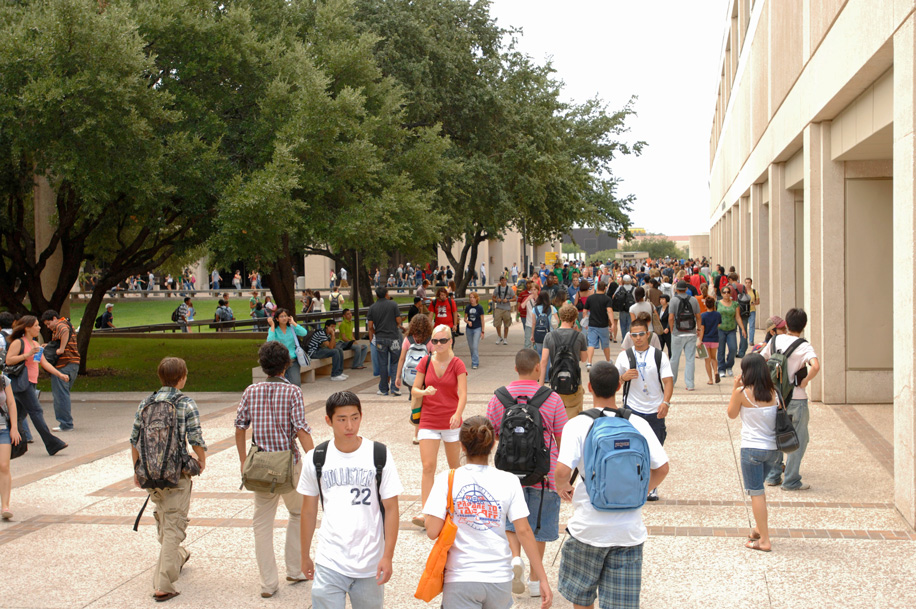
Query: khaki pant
[265, 510]
[171, 514]
[502, 317]
[573, 402]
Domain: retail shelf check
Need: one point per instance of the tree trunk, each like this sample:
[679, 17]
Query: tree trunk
[87, 323]
[366, 290]
[462, 277]
[281, 279]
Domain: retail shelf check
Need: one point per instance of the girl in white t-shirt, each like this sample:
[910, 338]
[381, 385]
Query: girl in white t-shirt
[755, 400]
[479, 572]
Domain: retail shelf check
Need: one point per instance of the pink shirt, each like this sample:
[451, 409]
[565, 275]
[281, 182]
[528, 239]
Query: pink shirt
[553, 417]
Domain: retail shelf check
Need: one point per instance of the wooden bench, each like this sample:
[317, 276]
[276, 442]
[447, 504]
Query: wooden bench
[307, 374]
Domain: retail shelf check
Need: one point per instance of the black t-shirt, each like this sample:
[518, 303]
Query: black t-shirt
[383, 314]
[597, 306]
[107, 319]
[612, 288]
[412, 312]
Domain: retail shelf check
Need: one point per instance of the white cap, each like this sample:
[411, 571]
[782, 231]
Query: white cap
[627, 279]
[109, 306]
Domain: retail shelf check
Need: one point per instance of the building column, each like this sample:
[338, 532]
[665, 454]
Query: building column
[743, 259]
[904, 260]
[760, 258]
[782, 242]
[825, 257]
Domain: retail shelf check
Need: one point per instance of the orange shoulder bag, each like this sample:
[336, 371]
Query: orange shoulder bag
[433, 577]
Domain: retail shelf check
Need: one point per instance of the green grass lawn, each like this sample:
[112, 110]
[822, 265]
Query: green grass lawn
[129, 364]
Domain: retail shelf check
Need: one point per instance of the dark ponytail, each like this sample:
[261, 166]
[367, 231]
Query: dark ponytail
[477, 436]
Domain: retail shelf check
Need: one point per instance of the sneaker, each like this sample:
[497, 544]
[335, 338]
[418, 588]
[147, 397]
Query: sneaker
[801, 487]
[518, 571]
[473, 367]
[653, 495]
[730, 372]
[774, 482]
[499, 341]
[380, 392]
[339, 378]
[534, 589]
[61, 429]
[396, 393]
[588, 366]
[505, 341]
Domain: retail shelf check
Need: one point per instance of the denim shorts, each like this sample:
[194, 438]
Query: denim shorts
[755, 463]
[5, 436]
[550, 514]
[599, 337]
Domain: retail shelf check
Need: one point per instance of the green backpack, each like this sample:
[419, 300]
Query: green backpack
[778, 364]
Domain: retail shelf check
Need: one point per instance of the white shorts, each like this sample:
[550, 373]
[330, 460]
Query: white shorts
[446, 435]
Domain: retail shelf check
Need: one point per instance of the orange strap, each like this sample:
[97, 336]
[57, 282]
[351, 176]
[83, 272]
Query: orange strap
[451, 477]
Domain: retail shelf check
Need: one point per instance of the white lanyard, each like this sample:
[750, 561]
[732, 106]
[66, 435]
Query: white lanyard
[641, 368]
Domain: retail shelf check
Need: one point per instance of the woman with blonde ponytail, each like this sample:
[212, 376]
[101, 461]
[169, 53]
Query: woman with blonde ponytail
[442, 384]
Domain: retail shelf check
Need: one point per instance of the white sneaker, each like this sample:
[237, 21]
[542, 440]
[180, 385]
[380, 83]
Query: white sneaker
[499, 341]
[534, 589]
[342, 375]
[339, 378]
[505, 341]
[518, 572]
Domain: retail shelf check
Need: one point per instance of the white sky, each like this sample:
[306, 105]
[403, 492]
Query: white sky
[664, 51]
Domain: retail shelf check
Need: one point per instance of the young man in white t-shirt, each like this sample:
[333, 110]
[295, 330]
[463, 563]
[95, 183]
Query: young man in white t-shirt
[355, 546]
[603, 556]
[647, 397]
[802, 360]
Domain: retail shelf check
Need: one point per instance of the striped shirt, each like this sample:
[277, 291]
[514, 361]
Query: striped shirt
[275, 412]
[71, 354]
[553, 417]
[188, 420]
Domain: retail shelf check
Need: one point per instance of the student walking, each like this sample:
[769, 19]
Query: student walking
[9, 437]
[731, 323]
[759, 454]
[67, 360]
[803, 366]
[564, 349]
[599, 312]
[684, 319]
[384, 325]
[359, 523]
[711, 320]
[541, 496]
[603, 556]
[171, 503]
[276, 415]
[503, 297]
[473, 317]
[479, 572]
[442, 384]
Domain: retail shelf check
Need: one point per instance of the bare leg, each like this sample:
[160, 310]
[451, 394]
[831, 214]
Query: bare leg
[452, 455]
[429, 452]
[607, 354]
[591, 354]
[6, 479]
[759, 507]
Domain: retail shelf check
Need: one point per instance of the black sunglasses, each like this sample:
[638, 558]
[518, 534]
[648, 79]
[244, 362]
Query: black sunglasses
[439, 341]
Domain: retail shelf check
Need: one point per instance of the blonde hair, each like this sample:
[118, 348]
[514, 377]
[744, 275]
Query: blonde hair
[568, 313]
[448, 331]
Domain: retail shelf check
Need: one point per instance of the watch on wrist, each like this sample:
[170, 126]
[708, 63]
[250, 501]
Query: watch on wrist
[666, 403]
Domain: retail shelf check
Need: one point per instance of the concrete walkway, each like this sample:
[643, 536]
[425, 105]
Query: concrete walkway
[839, 544]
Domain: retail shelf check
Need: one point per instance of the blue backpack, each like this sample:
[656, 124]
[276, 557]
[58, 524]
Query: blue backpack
[615, 462]
[541, 324]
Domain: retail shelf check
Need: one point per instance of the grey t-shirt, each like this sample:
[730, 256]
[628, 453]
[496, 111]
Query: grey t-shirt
[675, 306]
[561, 337]
[383, 314]
[503, 293]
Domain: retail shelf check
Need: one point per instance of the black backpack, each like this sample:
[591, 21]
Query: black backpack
[622, 300]
[631, 356]
[98, 322]
[744, 304]
[175, 316]
[521, 450]
[379, 457]
[684, 319]
[565, 374]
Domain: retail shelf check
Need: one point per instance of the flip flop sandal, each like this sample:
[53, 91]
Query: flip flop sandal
[754, 535]
[6, 515]
[755, 545]
[419, 521]
[165, 597]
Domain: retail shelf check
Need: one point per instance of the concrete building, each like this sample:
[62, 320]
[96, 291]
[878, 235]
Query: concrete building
[812, 167]
[592, 241]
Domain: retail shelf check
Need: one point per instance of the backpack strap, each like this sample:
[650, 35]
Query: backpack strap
[540, 396]
[505, 398]
[318, 458]
[379, 458]
[631, 357]
[795, 344]
[658, 368]
[594, 414]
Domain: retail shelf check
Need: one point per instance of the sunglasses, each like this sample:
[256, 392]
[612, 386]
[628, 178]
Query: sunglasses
[440, 341]
[638, 334]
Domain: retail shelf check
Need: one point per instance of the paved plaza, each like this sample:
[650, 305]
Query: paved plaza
[839, 544]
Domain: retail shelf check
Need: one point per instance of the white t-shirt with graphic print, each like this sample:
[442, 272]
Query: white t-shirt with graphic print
[484, 498]
[351, 538]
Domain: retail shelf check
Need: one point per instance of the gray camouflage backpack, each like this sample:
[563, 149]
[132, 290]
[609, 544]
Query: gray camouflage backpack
[161, 454]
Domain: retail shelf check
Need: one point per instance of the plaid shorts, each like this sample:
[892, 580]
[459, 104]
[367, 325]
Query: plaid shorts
[613, 575]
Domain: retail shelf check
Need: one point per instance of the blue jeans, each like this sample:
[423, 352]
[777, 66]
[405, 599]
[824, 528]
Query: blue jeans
[27, 402]
[387, 353]
[293, 373]
[336, 356]
[749, 325]
[539, 347]
[798, 412]
[726, 337]
[473, 335]
[330, 590]
[624, 324]
[755, 464]
[61, 392]
[359, 353]
[550, 513]
[528, 343]
[686, 343]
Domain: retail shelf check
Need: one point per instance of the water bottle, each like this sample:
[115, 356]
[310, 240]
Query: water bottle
[37, 356]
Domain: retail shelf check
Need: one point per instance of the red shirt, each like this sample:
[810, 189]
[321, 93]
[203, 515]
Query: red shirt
[445, 312]
[522, 297]
[439, 408]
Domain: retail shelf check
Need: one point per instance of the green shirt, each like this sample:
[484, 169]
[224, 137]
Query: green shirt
[728, 316]
[345, 328]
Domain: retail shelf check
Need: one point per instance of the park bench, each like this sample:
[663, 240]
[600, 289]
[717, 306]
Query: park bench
[317, 367]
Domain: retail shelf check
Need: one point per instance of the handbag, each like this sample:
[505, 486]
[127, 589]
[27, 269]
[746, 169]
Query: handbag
[269, 472]
[19, 378]
[786, 437]
[656, 323]
[433, 577]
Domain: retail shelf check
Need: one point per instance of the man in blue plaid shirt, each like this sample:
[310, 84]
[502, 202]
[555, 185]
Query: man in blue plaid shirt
[276, 414]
